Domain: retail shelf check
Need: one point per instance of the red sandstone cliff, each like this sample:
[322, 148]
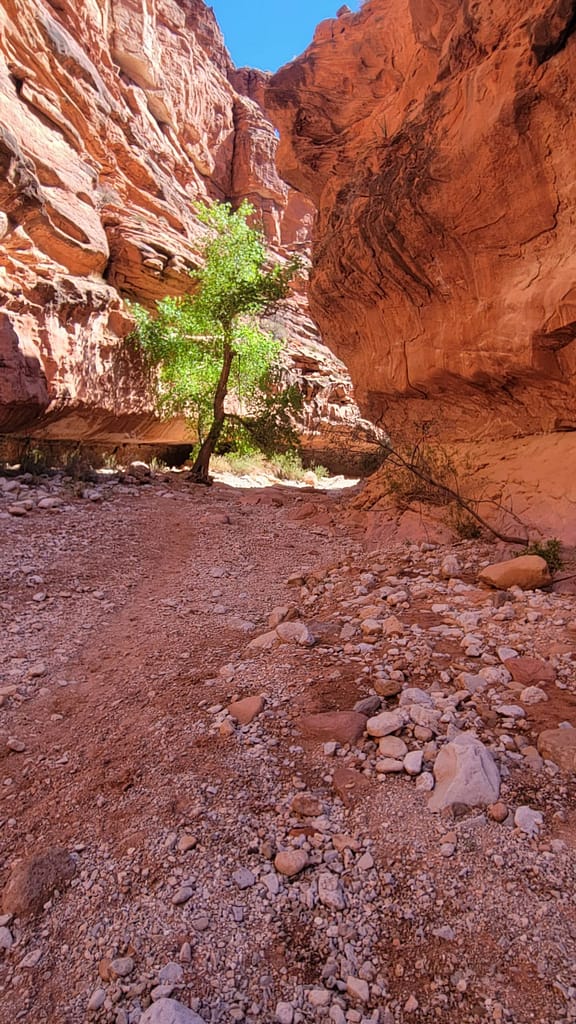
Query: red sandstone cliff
[438, 141]
[115, 116]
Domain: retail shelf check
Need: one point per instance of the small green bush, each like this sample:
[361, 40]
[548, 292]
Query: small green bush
[549, 550]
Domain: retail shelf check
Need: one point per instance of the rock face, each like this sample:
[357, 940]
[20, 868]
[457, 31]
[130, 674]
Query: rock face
[116, 117]
[437, 142]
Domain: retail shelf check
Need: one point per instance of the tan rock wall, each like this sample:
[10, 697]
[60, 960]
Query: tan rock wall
[115, 116]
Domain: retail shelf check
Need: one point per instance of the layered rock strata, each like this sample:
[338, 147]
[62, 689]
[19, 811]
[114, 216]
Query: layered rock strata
[437, 141]
[115, 117]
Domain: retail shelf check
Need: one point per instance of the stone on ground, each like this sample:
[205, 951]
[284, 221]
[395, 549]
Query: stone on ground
[342, 726]
[559, 745]
[527, 572]
[465, 773]
[530, 670]
[34, 880]
[170, 1011]
[290, 862]
[294, 632]
[385, 723]
[246, 710]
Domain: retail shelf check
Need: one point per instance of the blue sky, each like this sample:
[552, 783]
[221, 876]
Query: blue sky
[268, 33]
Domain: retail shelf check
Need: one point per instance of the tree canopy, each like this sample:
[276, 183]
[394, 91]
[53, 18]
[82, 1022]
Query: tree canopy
[208, 343]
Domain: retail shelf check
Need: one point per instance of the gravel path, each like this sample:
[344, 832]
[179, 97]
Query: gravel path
[127, 615]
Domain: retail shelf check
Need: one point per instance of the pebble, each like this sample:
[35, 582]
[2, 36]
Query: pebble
[290, 862]
[31, 959]
[122, 966]
[357, 989]
[330, 892]
[97, 999]
[172, 973]
[243, 878]
[413, 762]
[17, 746]
[187, 843]
[284, 1013]
[182, 895]
[498, 811]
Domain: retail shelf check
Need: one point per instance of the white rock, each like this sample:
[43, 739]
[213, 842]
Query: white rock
[170, 1011]
[6, 939]
[357, 989]
[319, 997]
[450, 567]
[414, 695]
[465, 773]
[385, 723]
[471, 681]
[172, 972]
[264, 642]
[284, 1013]
[528, 821]
[413, 762]
[97, 999]
[243, 878]
[182, 895]
[533, 695]
[425, 782]
[496, 675]
[389, 765]
[425, 717]
[504, 653]
[510, 711]
[330, 891]
[295, 633]
[392, 746]
[50, 502]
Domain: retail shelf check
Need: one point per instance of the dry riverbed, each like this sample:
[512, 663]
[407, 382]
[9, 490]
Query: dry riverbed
[289, 869]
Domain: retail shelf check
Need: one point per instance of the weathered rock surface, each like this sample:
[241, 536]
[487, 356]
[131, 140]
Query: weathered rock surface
[34, 879]
[465, 773]
[559, 745]
[116, 118]
[442, 268]
[527, 572]
[170, 1011]
[341, 726]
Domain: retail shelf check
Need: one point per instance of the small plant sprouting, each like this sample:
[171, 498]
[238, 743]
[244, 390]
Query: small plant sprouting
[549, 550]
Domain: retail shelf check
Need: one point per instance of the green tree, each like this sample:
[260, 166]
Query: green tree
[209, 343]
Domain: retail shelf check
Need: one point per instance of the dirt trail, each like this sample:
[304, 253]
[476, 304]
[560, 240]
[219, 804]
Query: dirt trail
[125, 630]
[138, 673]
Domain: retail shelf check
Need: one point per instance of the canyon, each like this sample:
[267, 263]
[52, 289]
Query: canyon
[278, 752]
[435, 144]
[116, 118]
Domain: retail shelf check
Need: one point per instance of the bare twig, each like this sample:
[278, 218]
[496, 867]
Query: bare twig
[449, 492]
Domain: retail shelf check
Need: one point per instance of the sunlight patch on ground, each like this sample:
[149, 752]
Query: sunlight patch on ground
[330, 483]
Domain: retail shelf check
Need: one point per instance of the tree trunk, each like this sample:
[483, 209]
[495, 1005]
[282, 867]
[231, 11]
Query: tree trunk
[200, 470]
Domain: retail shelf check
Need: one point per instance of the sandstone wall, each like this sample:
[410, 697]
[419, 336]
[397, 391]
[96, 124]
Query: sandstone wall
[115, 116]
[438, 141]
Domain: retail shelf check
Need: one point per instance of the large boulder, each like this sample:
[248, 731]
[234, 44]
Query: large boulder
[465, 773]
[527, 572]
